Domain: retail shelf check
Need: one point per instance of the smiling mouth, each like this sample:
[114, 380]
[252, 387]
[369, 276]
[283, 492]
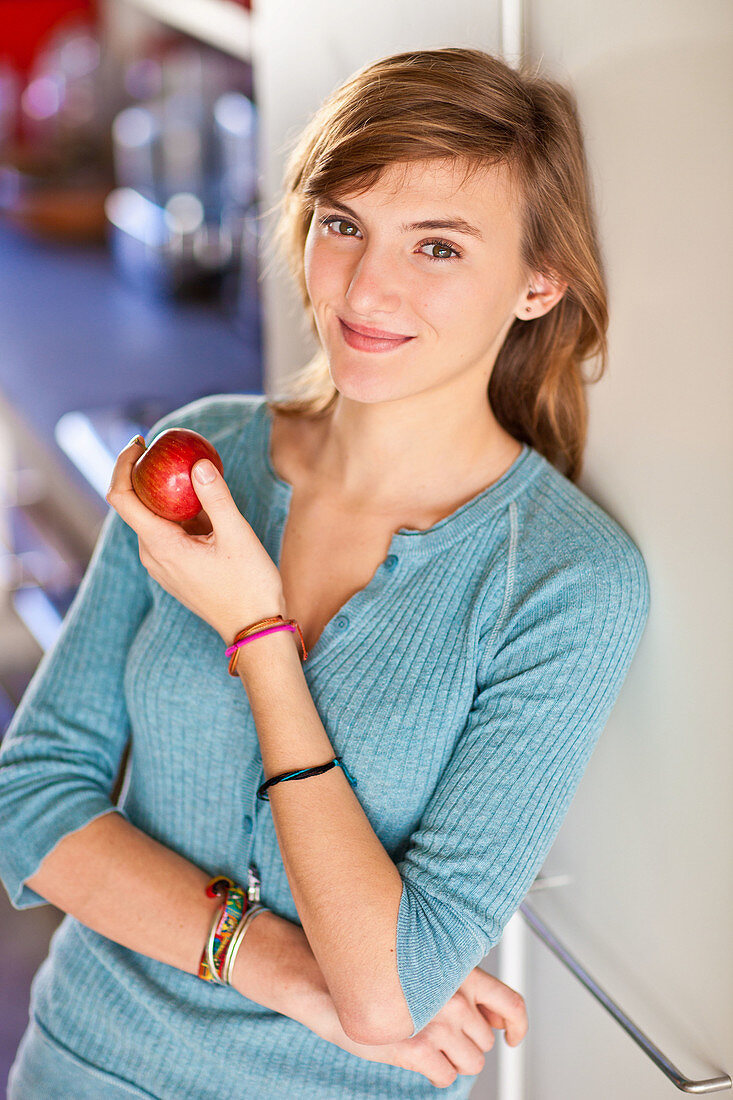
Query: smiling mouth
[361, 342]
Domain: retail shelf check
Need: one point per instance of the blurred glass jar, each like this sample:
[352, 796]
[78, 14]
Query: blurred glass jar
[136, 149]
[235, 129]
[180, 219]
[157, 147]
[169, 250]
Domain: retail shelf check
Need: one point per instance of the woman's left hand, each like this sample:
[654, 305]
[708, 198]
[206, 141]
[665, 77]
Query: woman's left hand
[226, 577]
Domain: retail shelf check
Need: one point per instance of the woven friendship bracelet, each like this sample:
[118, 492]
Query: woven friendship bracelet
[304, 773]
[223, 926]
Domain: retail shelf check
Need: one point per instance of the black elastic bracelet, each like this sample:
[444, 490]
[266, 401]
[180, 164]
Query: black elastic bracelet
[304, 773]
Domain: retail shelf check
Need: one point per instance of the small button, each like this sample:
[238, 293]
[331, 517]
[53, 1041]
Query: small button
[342, 621]
[390, 561]
[247, 821]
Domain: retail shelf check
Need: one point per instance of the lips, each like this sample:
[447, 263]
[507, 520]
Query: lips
[363, 339]
[364, 330]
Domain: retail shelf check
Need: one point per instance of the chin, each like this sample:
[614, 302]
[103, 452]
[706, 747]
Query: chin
[369, 387]
[367, 390]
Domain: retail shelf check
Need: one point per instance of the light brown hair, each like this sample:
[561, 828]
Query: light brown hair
[470, 107]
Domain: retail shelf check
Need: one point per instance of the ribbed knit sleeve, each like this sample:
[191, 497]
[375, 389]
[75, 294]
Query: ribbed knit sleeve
[549, 674]
[61, 754]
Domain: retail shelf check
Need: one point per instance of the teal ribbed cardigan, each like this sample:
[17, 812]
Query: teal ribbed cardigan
[465, 687]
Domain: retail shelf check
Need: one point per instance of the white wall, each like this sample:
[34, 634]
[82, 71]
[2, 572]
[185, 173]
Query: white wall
[648, 838]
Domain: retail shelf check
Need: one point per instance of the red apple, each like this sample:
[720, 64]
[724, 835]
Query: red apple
[161, 477]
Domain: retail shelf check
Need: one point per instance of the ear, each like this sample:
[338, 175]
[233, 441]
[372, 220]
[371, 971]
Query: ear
[540, 294]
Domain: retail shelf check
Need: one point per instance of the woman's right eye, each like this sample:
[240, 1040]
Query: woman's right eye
[332, 219]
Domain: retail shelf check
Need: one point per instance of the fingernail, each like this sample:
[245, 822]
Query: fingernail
[136, 439]
[204, 471]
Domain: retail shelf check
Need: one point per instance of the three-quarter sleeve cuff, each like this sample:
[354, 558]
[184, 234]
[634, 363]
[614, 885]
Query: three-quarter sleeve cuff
[24, 852]
[436, 951]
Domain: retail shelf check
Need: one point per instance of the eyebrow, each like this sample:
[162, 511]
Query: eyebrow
[458, 225]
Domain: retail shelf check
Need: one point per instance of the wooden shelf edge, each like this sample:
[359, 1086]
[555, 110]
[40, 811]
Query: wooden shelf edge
[219, 23]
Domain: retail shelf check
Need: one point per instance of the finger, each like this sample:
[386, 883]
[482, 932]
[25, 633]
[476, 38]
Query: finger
[463, 1053]
[515, 1023]
[479, 1029]
[121, 481]
[125, 500]
[216, 500]
[493, 1018]
[500, 1001]
[438, 1069]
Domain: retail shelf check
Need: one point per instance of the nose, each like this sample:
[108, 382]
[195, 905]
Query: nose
[373, 286]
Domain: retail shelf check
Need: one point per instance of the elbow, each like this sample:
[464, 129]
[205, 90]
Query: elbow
[380, 1025]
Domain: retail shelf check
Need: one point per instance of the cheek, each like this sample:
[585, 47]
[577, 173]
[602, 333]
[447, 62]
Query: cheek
[322, 271]
[463, 315]
[448, 303]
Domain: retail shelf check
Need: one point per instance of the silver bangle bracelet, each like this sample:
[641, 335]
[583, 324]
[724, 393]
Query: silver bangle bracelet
[239, 934]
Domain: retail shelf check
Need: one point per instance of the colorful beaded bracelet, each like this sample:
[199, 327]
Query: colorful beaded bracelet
[223, 925]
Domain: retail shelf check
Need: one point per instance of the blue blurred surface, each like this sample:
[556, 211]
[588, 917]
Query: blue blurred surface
[76, 336]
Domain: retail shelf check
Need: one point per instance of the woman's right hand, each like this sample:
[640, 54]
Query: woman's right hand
[458, 1036]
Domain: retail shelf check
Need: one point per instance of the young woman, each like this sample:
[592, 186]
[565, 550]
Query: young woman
[425, 601]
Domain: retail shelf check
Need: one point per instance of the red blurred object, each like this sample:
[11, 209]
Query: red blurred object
[26, 24]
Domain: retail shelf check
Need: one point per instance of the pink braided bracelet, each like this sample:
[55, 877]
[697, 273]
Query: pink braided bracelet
[249, 633]
[260, 633]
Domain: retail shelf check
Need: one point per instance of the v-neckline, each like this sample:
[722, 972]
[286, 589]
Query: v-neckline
[341, 617]
[450, 528]
[406, 543]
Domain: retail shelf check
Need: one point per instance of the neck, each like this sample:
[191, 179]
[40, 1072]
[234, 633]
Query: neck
[384, 456]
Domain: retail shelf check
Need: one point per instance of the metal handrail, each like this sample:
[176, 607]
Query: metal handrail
[713, 1084]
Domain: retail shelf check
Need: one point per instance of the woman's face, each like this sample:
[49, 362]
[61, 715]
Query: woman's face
[445, 294]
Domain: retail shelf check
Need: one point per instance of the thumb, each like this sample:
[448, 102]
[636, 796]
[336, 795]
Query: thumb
[212, 490]
[204, 472]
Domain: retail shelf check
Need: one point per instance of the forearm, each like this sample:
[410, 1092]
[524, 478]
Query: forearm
[345, 886]
[130, 888]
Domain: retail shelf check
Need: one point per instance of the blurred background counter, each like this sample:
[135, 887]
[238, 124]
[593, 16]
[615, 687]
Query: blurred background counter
[129, 280]
[85, 363]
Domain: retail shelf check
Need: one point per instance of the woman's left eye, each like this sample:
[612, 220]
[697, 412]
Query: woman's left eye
[442, 247]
